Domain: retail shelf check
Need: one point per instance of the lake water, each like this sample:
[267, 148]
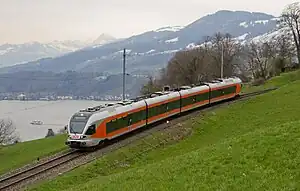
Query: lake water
[53, 114]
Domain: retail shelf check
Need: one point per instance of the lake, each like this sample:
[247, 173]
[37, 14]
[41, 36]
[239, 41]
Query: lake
[53, 114]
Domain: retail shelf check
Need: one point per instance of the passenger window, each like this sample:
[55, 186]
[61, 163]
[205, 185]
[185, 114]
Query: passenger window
[91, 130]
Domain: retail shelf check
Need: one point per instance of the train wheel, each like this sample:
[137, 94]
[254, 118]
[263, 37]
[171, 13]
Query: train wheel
[101, 144]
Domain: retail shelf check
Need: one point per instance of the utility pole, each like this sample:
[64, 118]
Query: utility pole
[124, 61]
[222, 60]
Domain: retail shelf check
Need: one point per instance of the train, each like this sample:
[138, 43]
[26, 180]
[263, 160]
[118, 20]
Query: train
[93, 126]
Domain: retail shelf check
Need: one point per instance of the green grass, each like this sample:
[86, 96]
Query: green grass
[265, 159]
[17, 155]
[278, 81]
[248, 145]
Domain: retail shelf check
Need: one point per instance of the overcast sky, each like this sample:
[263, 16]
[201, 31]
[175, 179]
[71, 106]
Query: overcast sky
[47, 20]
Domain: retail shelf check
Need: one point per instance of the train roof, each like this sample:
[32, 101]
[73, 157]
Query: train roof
[106, 106]
[159, 94]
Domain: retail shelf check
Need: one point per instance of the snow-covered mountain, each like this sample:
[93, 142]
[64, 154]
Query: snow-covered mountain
[152, 50]
[104, 39]
[11, 54]
[274, 35]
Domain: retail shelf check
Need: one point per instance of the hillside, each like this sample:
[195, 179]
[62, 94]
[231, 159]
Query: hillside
[152, 50]
[247, 145]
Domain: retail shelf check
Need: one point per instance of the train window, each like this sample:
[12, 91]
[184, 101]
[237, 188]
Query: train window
[122, 122]
[155, 110]
[137, 116]
[91, 130]
[112, 126]
[117, 124]
[217, 93]
[202, 97]
[152, 111]
[142, 115]
[189, 100]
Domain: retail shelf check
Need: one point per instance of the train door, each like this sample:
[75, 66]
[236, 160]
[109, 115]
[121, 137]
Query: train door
[166, 109]
[129, 121]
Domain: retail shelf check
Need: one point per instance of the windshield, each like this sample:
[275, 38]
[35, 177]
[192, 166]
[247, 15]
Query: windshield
[77, 126]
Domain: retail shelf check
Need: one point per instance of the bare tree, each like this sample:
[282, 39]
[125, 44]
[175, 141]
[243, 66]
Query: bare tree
[190, 67]
[290, 17]
[283, 47]
[200, 64]
[183, 68]
[284, 52]
[151, 86]
[7, 132]
[260, 56]
[231, 50]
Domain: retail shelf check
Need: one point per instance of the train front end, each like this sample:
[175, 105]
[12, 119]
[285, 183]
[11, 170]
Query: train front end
[80, 131]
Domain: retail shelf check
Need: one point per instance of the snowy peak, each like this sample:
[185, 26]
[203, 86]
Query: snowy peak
[104, 39]
[11, 54]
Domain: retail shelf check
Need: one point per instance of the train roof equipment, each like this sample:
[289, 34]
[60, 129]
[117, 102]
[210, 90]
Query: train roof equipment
[166, 90]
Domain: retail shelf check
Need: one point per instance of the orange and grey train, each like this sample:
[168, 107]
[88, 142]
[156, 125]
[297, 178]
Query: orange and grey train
[93, 126]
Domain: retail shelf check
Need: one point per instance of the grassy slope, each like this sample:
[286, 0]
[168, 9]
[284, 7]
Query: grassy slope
[251, 145]
[15, 156]
[277, 81]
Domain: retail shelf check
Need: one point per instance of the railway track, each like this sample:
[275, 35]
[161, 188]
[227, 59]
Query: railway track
[11, 182]
[38, 169]
[256, 93]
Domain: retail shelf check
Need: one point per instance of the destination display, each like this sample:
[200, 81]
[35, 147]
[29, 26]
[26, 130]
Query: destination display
[80, 118]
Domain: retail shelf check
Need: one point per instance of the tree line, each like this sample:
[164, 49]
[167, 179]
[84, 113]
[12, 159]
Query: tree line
[256, 60]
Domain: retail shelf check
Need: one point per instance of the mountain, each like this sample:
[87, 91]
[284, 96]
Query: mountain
[152, 50]
[104, 39]
[12, 54]
[146, 53]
